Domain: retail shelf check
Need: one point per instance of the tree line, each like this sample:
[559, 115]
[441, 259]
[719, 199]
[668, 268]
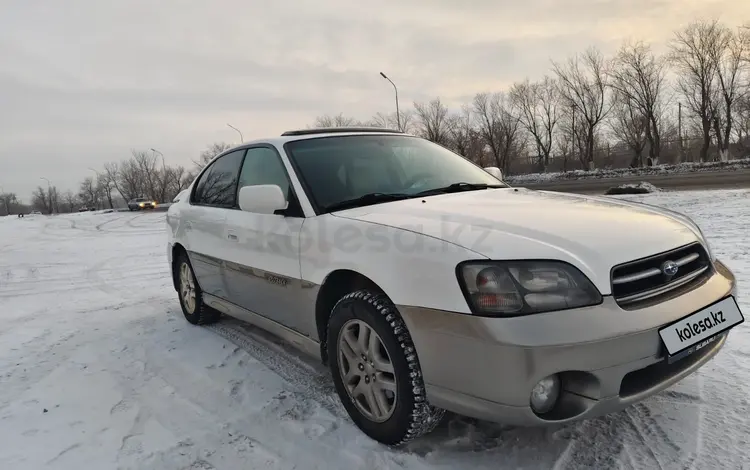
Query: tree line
[143, 174]
[635, 108]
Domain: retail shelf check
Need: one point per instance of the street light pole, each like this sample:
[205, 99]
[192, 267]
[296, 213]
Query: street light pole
[97, 182]
[49, 193]
[163, 165]
[242, 139]
[398, 114]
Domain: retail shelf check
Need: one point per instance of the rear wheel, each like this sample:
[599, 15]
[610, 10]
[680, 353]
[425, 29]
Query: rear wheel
[190, 294]
[376, 370]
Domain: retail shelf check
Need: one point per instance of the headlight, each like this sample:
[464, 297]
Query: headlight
[513, 288]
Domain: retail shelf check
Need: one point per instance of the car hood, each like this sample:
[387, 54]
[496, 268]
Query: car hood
[593, 233]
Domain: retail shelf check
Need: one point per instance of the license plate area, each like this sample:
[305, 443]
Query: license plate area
[700, 329]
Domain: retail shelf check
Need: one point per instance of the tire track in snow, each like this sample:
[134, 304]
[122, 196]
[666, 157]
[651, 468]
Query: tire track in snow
[310, 381]
[155, 389]
[114, 219]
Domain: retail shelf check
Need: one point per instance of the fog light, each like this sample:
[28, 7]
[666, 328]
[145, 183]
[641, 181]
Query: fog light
[545, 393]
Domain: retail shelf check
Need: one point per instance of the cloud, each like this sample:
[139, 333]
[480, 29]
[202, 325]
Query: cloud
[84, 81]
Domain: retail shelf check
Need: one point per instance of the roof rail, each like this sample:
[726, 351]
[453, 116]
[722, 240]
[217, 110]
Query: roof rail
[336, 130]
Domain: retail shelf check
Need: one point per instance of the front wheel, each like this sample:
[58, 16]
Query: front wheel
[376, 370]
[191, 296]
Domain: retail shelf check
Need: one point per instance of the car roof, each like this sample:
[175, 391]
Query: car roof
[304, 134]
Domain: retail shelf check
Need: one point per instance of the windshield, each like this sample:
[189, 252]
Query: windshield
[343, 168]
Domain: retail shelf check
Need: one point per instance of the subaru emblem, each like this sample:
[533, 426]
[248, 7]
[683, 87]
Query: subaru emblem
[669, 268]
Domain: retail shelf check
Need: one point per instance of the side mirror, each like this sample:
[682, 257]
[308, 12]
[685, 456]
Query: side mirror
[262, 199]
[494, 171]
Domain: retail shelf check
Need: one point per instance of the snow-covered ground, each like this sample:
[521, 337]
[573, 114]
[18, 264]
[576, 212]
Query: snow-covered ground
[99, 370]
[660, 170]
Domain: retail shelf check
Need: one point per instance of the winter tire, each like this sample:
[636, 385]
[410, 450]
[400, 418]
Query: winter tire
[376, 370]
[190, 294]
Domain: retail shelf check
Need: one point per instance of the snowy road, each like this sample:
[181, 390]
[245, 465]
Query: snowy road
[99, 370]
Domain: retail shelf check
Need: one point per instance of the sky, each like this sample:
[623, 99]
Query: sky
[84, 82]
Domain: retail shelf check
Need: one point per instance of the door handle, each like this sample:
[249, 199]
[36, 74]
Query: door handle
[232, 236]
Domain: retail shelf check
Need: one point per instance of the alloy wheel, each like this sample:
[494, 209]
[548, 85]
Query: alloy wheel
[367, 371]
[187, 287]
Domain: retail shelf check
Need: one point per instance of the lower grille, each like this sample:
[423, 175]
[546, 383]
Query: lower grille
[650, 279]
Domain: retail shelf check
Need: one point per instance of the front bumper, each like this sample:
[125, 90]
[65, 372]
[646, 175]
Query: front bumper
[607, 358]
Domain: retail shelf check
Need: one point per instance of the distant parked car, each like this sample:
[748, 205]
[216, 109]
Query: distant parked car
[35, 213]
[141, 203]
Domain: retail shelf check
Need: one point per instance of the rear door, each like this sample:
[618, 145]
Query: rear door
[263, 271]
[213, 197]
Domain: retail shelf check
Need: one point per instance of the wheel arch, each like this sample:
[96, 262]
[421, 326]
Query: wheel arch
[177, 250]
[336, 285]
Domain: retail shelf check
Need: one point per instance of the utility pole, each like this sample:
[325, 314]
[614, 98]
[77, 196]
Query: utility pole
[679, 131]
[575, 142]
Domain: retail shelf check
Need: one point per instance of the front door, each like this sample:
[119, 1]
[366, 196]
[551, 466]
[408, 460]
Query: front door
[263, 271]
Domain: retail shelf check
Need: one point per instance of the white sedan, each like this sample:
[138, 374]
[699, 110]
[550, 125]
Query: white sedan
[427, 284]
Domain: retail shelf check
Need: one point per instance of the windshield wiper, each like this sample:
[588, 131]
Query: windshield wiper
[366, 200]
[458, 187]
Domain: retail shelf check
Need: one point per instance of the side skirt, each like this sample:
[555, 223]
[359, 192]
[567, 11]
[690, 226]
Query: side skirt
[299, 341]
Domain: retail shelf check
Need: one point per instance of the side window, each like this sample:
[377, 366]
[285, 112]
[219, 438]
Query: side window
[217, 186]
[263, 166]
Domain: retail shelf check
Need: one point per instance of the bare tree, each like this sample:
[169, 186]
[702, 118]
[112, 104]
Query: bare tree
[582, 82]
[54, 199]
[390, 121]
[88, 193]
[70, 200]
[692, 56]
[630, 126]
[338, 120]
[564, 140]
[209, 153]
[461, 131]
[639, 78]
[498, 126]
[43, 199]
[8, 201]
[537, 108]
[433, 121]
[729, 54]
[147, 171]
[104, 186]
[174, 181]
[112, 173]
[130, 180]
[741, 128]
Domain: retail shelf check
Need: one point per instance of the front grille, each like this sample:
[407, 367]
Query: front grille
[645, 280]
